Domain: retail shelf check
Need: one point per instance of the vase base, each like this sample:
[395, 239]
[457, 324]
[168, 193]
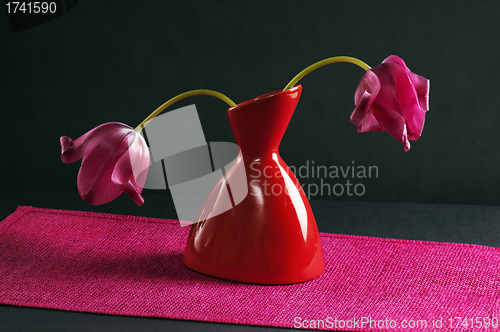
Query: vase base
[239, 275]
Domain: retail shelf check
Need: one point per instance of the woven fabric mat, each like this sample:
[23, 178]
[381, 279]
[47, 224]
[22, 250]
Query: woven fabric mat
[124, 265]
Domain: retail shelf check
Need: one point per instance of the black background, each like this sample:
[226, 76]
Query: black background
[117, 61]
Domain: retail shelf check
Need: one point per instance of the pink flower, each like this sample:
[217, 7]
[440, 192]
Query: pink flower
[390, 97]
[115, 160]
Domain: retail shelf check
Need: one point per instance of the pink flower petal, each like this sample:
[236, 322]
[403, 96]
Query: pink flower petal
[115, 160]
[422, 86]
[364, 97]
[71, 150]
[94, 178]
[398, 106]
[131, 169]
[406, 95]
[387, 95]
[370, 123]
[140, 160]
[393, 122]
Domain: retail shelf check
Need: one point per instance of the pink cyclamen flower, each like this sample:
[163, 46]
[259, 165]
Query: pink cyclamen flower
[115, 160]
[390, 97]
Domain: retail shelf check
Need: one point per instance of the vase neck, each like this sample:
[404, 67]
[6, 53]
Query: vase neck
[260, 123]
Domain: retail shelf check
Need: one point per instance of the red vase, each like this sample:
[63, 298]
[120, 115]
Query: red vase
[270, 236]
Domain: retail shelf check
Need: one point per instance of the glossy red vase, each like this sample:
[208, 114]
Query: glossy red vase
[270, 236]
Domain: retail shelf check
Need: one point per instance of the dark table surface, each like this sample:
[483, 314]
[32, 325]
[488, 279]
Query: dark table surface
[432, 222]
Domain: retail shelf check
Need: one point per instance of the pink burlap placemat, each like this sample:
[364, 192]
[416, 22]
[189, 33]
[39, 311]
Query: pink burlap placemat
[124, 265]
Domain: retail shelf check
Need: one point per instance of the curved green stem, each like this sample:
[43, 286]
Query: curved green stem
[323, 63]
[182, 96]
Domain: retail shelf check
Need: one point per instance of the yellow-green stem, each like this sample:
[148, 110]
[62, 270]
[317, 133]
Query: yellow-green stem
[182, 96]
[323, 63]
